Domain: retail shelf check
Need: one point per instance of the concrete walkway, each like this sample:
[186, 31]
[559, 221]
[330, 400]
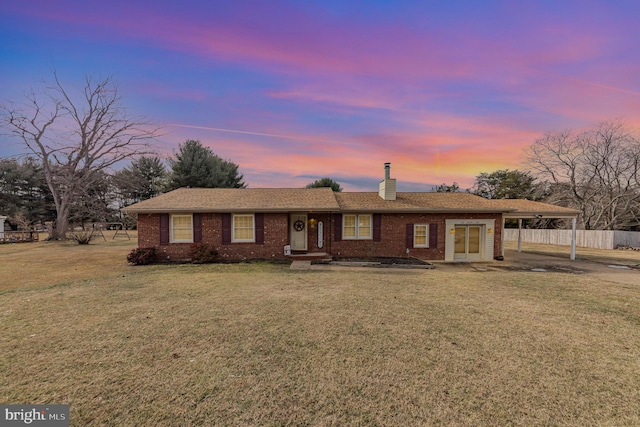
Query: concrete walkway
[300, 265]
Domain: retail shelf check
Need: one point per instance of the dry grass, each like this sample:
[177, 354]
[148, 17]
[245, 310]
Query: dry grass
[44, 263]
[263, 345]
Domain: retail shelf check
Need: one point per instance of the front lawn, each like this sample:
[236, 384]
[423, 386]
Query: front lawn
[259, 344]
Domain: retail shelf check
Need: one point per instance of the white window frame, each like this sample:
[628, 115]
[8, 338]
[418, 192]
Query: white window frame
[171, 228]
[426, 236]
[233, 228]
[357, 233]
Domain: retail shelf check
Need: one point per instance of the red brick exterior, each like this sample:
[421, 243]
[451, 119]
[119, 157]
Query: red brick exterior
[276, 232]
[394, 237]
[393, 242]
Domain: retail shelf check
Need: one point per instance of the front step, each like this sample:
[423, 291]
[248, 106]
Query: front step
[311, 256]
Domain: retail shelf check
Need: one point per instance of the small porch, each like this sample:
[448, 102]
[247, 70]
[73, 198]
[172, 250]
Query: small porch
[308, 235]
[310, 256]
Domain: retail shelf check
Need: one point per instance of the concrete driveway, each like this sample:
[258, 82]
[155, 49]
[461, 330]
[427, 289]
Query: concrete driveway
[623, 272]
[618, 271]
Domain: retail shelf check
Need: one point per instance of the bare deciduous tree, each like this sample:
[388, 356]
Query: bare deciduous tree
[76, 135]
[596, 171]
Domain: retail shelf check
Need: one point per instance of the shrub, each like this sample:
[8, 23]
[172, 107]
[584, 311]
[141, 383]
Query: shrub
[202, 253]
[142, 256]
[83, 237]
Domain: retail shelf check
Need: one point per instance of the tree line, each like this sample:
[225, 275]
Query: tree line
[26, 198]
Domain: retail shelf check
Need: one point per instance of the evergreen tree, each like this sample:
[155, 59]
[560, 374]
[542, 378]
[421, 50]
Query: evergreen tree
[444, 188]
[143, 179]
[197, 166]
[325, 182]
[24, 192]
[505, 184]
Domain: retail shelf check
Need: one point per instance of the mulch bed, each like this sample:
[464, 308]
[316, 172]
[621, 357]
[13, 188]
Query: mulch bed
[380, 262]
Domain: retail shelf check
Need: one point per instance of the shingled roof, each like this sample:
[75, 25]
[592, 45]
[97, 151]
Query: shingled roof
[240, 200]
[325, 200]
[417, 202]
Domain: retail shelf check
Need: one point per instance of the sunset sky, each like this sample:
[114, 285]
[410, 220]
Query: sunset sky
[294, 91]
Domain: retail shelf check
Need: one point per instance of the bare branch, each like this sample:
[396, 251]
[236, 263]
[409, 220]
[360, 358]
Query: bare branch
[77, 135]
[598, 170]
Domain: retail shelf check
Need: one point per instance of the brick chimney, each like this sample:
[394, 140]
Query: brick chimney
[387, 189]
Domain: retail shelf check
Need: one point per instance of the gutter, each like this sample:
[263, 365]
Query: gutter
[209, 210]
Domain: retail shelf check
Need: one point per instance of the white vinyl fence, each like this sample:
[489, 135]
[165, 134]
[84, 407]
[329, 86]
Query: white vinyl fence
[599, 239]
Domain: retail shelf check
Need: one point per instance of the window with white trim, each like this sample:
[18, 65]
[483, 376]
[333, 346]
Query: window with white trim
[243, 228]
[421, 236]
[181, 229]
[357, 226]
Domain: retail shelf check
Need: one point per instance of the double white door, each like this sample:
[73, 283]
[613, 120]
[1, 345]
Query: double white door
[468, 242]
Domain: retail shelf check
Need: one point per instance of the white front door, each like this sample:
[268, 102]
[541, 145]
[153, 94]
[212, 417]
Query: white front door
[298, 232]
[468, 242]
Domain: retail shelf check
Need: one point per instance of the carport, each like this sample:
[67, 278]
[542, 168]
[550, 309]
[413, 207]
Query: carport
[527, 209]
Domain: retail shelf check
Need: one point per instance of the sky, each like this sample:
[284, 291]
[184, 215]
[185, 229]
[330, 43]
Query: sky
[293, 91]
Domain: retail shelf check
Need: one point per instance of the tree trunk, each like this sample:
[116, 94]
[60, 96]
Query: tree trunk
[61, 224]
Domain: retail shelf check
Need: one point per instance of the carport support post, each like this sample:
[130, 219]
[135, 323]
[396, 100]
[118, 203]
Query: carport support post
[519, 234]
[502, 236]
[573, 238]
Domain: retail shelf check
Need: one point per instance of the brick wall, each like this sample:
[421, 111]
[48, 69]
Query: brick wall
[312, 232]
[276, 232]
[394, 240]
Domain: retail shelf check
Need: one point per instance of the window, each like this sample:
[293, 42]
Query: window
[243, 228]
[181, 229]
[356, 226]
[349, 227]
[421, 236]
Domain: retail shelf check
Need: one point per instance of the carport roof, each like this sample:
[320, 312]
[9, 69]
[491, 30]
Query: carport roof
[522, 208]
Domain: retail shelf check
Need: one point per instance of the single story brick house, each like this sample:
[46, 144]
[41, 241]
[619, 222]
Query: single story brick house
[278, 223]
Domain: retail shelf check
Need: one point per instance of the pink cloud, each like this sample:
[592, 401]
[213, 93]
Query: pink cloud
[391, 76]
[309, 43]
[289, 39]
[427, 156]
